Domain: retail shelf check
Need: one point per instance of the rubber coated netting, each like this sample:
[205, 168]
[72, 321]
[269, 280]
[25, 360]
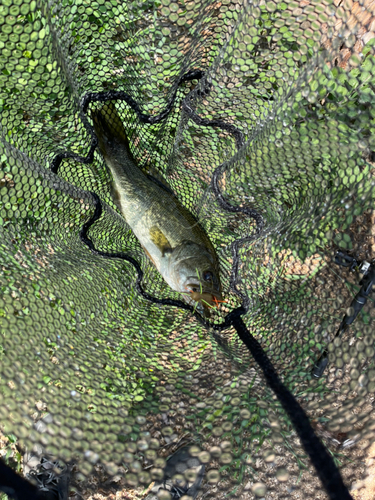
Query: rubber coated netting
[259, 117]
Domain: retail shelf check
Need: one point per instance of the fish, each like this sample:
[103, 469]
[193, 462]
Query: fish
[171, 237]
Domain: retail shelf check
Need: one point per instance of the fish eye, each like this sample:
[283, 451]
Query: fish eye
[208, 276]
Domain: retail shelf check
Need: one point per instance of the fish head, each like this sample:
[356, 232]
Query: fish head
[196, 274]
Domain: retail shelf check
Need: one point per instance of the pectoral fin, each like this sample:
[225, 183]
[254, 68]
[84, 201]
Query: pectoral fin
[159, 239]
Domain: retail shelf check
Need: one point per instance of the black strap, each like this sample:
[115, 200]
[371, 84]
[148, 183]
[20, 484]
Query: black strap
[320, 458]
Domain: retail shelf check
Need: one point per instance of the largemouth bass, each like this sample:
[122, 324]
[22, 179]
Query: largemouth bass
[169, 234]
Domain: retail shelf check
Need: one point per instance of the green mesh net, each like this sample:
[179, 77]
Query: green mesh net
[259, 117]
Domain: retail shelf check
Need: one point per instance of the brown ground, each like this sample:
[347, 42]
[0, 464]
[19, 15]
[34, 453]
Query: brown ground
[365, 489]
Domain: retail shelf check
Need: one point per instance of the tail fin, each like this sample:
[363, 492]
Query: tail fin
[109, 129]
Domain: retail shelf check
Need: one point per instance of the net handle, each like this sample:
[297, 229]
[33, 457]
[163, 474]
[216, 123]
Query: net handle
[324, 465]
